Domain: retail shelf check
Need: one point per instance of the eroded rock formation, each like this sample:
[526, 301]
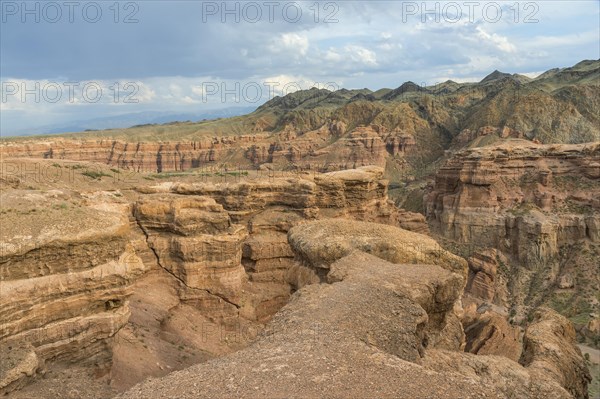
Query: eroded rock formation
[374, 296]
[477, 188]
[225, 247]
[371, 327]
[140, 157]
[227, 243]
[64, 286]
[528, 216]
[329, 148]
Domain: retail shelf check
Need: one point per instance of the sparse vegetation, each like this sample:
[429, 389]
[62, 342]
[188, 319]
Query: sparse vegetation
[169, 175]
[96, 175]
[61, 206]
[522, 209]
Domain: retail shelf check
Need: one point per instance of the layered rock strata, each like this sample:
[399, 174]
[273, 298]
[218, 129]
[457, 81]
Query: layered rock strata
[478, 192]
[140, 157]
[328, 148]
[527, 217]
[227, 243]
[64, 287]
[368, 329]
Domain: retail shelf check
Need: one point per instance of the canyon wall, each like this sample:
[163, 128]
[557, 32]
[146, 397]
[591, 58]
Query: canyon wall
[375, 325]
[140, 157]
[65, 280]
[527, 217]
[228, 245]
[234, 254]
[481, 196]
[330, 147]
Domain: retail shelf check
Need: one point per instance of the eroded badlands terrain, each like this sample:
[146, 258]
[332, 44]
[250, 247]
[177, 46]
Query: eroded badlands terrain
[113, 277]
[416, 242]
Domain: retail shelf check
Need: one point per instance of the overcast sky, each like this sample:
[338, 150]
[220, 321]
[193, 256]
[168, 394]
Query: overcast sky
[83, 60]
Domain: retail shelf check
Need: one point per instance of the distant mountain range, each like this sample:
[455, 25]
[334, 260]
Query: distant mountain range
[132, 119]
[559, 106]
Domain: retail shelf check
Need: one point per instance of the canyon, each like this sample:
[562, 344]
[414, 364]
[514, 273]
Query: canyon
[140, 278]
[312, 150]
[416, 242]
[220, 249]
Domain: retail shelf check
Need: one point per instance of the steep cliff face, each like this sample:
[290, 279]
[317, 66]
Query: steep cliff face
[66, 272]
[537, 205]
[227, 243]
[195, 241]
[330, 147]
[139, 157]
[475, 190]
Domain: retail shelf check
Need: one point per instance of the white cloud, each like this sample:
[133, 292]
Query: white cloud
[500, 42]
[46, 95]
[189, 100]
[389, 46]
[175, 90]
[351, 55]
[291, 42]
[532, 75]
[362, 55]
[333, 55]
[144, 94]
[198, 90]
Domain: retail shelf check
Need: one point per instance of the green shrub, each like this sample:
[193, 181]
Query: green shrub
[92, 174]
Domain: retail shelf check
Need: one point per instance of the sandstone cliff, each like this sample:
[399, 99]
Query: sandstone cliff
[327, 148]
[71, 259]
[153, 277]
[64, 283]
[227, 243]
[537, 207]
